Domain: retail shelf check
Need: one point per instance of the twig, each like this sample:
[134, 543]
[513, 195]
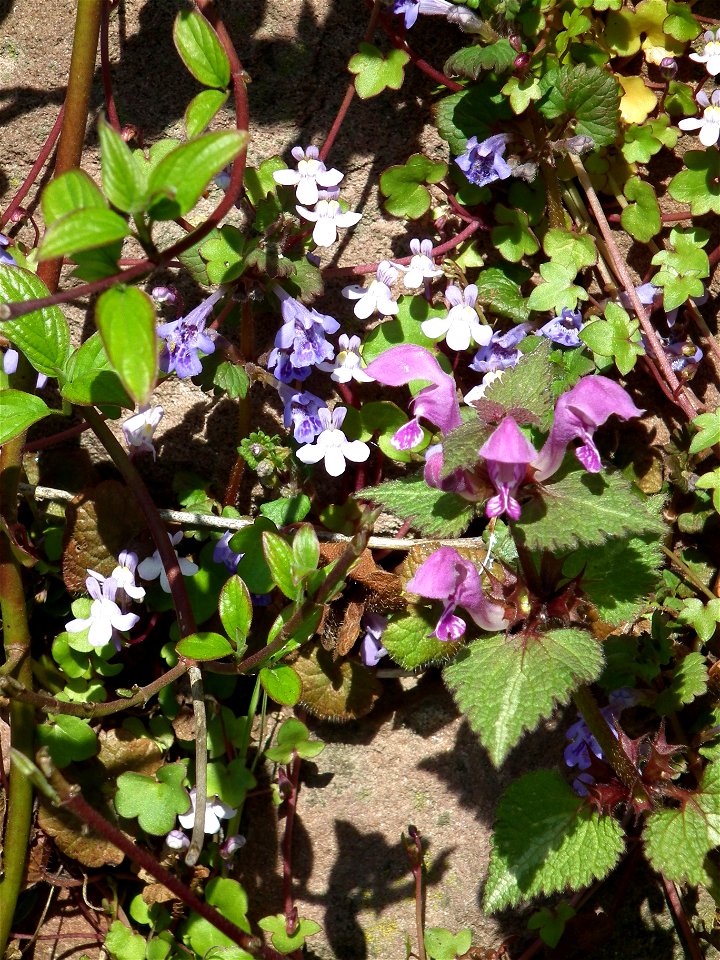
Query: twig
[105, 66]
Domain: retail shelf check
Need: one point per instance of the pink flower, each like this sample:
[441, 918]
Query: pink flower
[507, 454]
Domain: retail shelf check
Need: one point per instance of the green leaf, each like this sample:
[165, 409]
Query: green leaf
[514, 239]
[283, 941]
[204, 646]
[680, 22]
[708, 427]
[90, 379]
[120, 176]
[403, 186]
[279, 558]
[527, 386]
[82, 230]
[432, 512]
[408, 639]
[500, 295]
[711, 481]
[68, 739]
[466, 114]
[224, 253]
[643, 141]
[547, 841]
[231, 379]
[617, 336]
[589, 95]
[235, 610]
[678, 840]
[572, 250]
[404, 328]
[699, 184]
[43, 335]
[375, 72]
[179, 179]
[281, 684]
[155, 801]
[125, 317]
[201, 110]
[259, 181]
[680, 100]
[551, 923]
[583, 508]
[642, 218]
[506, 684]
[230, 781]
[461, 445]
[557, 291]
[122, 944]
[252, 568]
[67, 193]
[441, 944]
[200, 49]
[522, 91]
[305, 550]
[683, 268]
[703, 616]
[19, 411]
[690, 680]
[230, 900]
[471, 62]
[294, 737]
[287, 510]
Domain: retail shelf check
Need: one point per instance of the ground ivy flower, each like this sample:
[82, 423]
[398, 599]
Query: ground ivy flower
[6, 259]
[152, 567]
[332, 445]
[140, 428]
[461, 326]
[224, 554]
[186, 336]
[348, 363]
[563, 329]
[710, 55]
[447, 576]
[483, 163]
[709, 123]
[421, 267]
[378, 296]
[215, 811]
[411, 8]
[507, 454]
[371, 648]
[311, 173]
[501, 351]
[300, 343]
[327, 217]
[582, 745]
[106, 619]
[301, 410]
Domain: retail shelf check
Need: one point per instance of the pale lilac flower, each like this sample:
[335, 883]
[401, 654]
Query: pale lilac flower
[215, 811]
[11, 358]
[152, 567]
[105, 618]
[348, 363]
[231, 846]
[300, 342]
[164, 294]
[378, 296]
[186, 336]
[507, 454]
[177, 840]
[124, 575]
[6, 259]
[371, 649]
[327, 217]
[578, 414]
[311, 173]
[140, 428]
[332, 445]
[301, 410]
[447, 576]
[500, 352]
[563, 329]
[461, 325]
[709, 124]
[421, 267]
[710, 55]
[483, 163]
[223, 553]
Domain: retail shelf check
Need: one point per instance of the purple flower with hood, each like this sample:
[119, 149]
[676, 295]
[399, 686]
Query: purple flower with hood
[447, 576]
[302, 411]
[564, 329]
[484, 163]
[582, 745]
[300, 343]
[507, 454]
[186, 336]
[371, 649]
[6, 259]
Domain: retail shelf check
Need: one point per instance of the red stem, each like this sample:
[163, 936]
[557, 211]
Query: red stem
[35, 169]
[105, 65]
[291, 805]
[401, 44]
[46, 442]
[681, 919]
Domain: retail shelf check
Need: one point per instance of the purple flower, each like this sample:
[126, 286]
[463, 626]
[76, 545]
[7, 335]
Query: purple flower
[301, 410]
[684, 355]
[483, 163]
[501, 352]
[411, 8]
[186, 336]
[310, 174]
[582, 745]
[564, 329]
[300, 342]
[371, 649]
[332, 445]
[447, 576]
[578, 414]
[6, 258]
[508, 454]
[231, 846]
[711, 52]
[224, 554]
[152, 567]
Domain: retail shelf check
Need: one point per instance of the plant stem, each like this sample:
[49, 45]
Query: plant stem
[687, 572]
[678, 912]
[30, 179]
[610, 746]
[105, 66]
[198, 831]
[291, 804]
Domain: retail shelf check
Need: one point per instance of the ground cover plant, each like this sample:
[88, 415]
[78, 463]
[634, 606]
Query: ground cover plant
[499, 461]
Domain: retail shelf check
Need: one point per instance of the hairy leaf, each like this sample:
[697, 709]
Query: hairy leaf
[432, 512]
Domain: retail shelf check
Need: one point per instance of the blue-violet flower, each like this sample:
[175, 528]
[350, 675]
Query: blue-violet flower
[483, 163]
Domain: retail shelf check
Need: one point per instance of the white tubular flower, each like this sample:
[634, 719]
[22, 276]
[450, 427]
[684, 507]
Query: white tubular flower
[310, 174]
[421, 266]
[215, 811]
[152, 567]
[105, 615]
[378, 296]
[711, 52]
[462, 324]
[332, 446]
[124, 575]
[140, 428]
[348, 364]
[709, 123]
[327, 217]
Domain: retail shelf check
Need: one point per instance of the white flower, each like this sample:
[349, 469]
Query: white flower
[105, 615]
[310, 174]
[709, 125]
[140, 427]
[422, 265]
[124, 575]
[215, 811]
[378, 296]
[332, 445]
[478, 392]
[711, 53]
[327, 217]
[348, 363]
[462, 324]
[152, 567]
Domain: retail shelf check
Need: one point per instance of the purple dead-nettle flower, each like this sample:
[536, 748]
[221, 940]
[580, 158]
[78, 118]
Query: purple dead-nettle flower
[300, 343]
[459, 481]
[224, 554]
[447, 576]
[348, 363]
[105, 620]
[709, 123]
[327, 217]
[421, 267]
[310, 174]
[186, 336]
[6, 259]
[461, 326]
[710, 55]
[332, 445]
[378, 296]
[152, 567]
[140, 428]
[501, 351]
[371, 648]
[301, 411]
[215, 811]
[484, 163]
[578, 414]
[507, 454]
[564, 329]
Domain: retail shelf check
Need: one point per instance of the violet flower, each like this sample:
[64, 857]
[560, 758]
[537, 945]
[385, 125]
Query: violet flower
[411, 8]
[301, 410]
[332, 446]
[300, 343]
[223, 553]
[371, 649]
[507, 454]
[378, 296]
[421, 267]
[461, 325]
[578, 414]
[311, 173]
[186, 336]
[105, 619]
[483, 163]
[582, 745]
[501, 351]
[563, 329]
[124, 575]
[6, 259]
[447, 576]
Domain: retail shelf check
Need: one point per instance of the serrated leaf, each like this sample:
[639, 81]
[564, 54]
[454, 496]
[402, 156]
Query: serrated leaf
[641, 219]
[557, 290]
[204, 646]
[125, 317]
[200, 49]
[583, 508]
[500, 295]
[43, 335]
[336, 689]
[638, 101]
[617, 336]
[431, 512]
[689, 681]
[587, 94]
[513, 238]
[462, 445]
[506, 685]
[201, 109]
[232, 379]
[546, 841]
[527, 385]
[699, 183]
[281, 684]
[375, 72]
[155, 801]
[471, 62]
[572, 250]
[410, 640]
[235, 608]
[703, 616]
[19, 411]
[403, 186]
[82, 230]
[120, 177]
[90, 378]
[71, 191]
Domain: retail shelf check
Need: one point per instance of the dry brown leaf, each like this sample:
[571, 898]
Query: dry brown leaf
[335, 690]
[350, 627]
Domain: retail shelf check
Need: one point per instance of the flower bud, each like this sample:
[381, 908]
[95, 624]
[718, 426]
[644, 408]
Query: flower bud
[668, 68]
[522, 62]
[515, 42]
[130, 132]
